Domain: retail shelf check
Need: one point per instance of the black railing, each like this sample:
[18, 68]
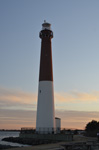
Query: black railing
[46, 130]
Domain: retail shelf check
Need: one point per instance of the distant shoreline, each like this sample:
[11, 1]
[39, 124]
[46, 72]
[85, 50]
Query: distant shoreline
[10, 130]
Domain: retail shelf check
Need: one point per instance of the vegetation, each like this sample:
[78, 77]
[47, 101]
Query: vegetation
[92, 128]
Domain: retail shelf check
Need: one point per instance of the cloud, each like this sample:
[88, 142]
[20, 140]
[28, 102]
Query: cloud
[18, 108]
[76, 119]
[16, 99]
[76, 96]
[15, 119]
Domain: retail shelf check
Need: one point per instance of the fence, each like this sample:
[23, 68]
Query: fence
[45, 130]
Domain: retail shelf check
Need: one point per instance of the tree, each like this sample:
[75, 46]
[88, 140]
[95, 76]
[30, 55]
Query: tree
[92, 128]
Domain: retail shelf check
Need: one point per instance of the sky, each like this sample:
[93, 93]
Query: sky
[75, 52]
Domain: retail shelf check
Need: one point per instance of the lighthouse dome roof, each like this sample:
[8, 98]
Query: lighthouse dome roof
[46, 25]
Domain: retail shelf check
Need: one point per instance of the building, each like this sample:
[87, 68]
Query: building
[45, 122]
[58, 124]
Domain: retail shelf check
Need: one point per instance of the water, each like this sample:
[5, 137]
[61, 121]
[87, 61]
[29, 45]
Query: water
[4, 134]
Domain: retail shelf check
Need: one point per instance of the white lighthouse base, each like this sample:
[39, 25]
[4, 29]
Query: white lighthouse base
[45, 122]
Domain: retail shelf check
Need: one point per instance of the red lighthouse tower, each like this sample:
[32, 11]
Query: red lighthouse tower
[45, 122]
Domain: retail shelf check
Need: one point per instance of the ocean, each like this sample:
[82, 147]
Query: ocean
[4, 134]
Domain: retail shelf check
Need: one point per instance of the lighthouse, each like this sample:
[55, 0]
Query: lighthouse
[45, 121]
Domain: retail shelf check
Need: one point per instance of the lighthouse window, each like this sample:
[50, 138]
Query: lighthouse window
[46, 35]
[40, 91]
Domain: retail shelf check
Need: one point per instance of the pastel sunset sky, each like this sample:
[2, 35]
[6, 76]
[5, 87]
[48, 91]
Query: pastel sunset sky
[75, 50]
